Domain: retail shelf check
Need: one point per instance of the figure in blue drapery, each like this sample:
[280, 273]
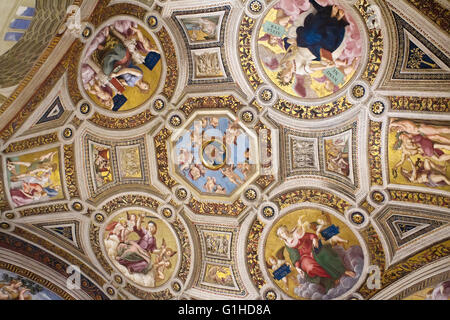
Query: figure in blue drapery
[324, 29]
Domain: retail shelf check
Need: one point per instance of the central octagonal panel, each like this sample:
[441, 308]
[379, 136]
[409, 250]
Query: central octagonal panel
[310, 49]
[214, 155]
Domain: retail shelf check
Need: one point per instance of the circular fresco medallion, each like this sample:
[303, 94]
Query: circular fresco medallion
[312, 254]
[121, 67]
[142, 247]
[213, 154]
[309, 49]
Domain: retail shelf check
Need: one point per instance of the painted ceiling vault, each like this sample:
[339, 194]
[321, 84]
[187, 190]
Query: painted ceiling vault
[240, 149]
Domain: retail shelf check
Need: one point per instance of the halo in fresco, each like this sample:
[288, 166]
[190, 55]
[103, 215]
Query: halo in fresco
[142, 247]
[122, 66]
[313, 255]
[309, 49]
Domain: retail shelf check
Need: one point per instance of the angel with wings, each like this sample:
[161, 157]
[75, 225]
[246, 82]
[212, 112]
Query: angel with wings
[277, 261]
[162, 260]
[323, 224]
[295, 67]
[315, 262]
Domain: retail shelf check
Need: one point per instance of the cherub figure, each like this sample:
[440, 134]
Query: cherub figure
[322, 224]
[232, 133]
[185, 159]
[220, 189]
[276, 261]
[131, 222]
[214, 122]
[210, 184]
[103, 93]
[245, 168]
[14, 291]
[162, 260]
[196, 171]
[228, 171]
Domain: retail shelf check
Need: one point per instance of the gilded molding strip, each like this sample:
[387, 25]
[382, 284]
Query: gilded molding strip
[420, 197]
[94, 236]
[252, 254]
[171, 62]
[245, 52]
[256, 105]
[185, 249]
[36, 278]
[103, 11]
[267, 138]
[376, 255]
[162, 158]
[401, 269]
[69, 170]
[375, 45]
[313, 112]
[145, 295]
[32, 142]
[130, 200]
[228, 102]
[76, 122]
[70, 63]
[376, 174]
[59, 253]
[54, 208]
[434, 11]
[420, 104]
[233, 209]
[40, 93]
[314, 196]
[54, 262]
[4, 204]
[366, 206]
[121, 123]
[158, 8]
[264, 181]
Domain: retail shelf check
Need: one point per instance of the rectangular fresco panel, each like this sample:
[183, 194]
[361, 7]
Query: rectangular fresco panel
[129, 162]
[219, 275]
[419, 153]
[34, 177]
[202, 28]
[338, 154]
[207, 63]
[15, 287]
[303, 153]
[218, 244]
[101, 165]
